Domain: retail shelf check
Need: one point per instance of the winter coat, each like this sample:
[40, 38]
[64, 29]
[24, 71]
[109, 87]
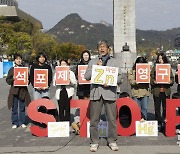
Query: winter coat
[83, 90]
[137, 89]
[21, 92]
[155, 88]
[44, 66]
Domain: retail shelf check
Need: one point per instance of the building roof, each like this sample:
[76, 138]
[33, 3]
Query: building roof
[12, 11]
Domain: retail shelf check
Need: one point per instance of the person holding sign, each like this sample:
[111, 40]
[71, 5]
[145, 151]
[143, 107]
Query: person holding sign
[140, 91]
[83, 90]
[41, 64]
[103, 95]
[64, 92]
[177, 78]
[18, 95]
[83, 86]
[161, 91]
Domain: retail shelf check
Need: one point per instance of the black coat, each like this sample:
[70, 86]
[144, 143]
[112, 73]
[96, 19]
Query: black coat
[36, 66]
[84, 89]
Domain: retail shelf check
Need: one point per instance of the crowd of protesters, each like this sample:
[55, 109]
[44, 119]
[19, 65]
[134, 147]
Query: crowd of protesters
[98, 95]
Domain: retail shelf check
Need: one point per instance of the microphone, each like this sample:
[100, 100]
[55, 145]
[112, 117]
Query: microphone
[100, 57]
[100, 60]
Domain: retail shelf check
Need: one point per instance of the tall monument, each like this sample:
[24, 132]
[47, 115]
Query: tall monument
[125, 32]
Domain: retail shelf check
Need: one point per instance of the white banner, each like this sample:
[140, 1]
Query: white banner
[104, 75]
[147, 128]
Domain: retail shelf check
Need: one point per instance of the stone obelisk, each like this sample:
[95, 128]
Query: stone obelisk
[125, 32]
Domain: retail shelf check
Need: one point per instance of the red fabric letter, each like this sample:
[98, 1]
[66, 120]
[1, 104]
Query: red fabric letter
[172, 119]
[135, 114]
[84, 114]
[34, 115]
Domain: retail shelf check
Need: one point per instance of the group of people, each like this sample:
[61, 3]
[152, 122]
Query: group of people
[141, 91]
[99, 95]
[20, 95]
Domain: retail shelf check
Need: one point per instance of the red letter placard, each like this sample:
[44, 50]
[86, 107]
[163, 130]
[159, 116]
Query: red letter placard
[135, 115]
[81, 72]
[20, 76]
[62, 75]
[142, 73]
[40, 117]
[179, 73]
[172, 119]
[40, 78]
[84, 114]
[163, 73]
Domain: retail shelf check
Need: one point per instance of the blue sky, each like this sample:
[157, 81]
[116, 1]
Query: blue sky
[150, 14]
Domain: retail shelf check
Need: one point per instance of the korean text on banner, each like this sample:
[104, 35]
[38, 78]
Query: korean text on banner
[142, 73]
[104, 75]
[163, 73]
[62, 75]
[20, 76]
[81, 72]
[40, 78]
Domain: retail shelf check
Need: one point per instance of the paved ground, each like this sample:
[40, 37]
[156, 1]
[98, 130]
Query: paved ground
[21, 141]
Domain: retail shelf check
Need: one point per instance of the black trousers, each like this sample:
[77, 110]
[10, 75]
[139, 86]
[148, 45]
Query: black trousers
[64, 106]
[157, 106]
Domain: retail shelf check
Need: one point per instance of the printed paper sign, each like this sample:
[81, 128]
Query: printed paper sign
[147, 128]
[20, 76]
[81, 72]
[104, 75]
[142, 73]
[102, 129]
[179, 73]
[40, 78]
[58, 129]
[62, 75]
[163, 73]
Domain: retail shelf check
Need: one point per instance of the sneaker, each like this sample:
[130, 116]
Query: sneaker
[23, 126]
[94, 147]
[14, 126]
[113, 146]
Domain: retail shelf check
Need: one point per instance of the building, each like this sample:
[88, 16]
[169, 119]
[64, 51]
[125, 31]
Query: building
[10, 10]
[9, 3]
[125, 32]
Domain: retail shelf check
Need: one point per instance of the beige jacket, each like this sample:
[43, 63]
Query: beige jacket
[137, 89]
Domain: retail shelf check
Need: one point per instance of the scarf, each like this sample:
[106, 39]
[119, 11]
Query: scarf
[105, 59]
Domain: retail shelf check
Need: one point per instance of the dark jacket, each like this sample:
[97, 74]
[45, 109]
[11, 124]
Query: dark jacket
[176, 80]
[155, 88]
[21, 92]
[36, 66]
[84, 89]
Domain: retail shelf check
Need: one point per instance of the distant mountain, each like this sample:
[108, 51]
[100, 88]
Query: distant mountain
[155, 39]
[74, 29]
